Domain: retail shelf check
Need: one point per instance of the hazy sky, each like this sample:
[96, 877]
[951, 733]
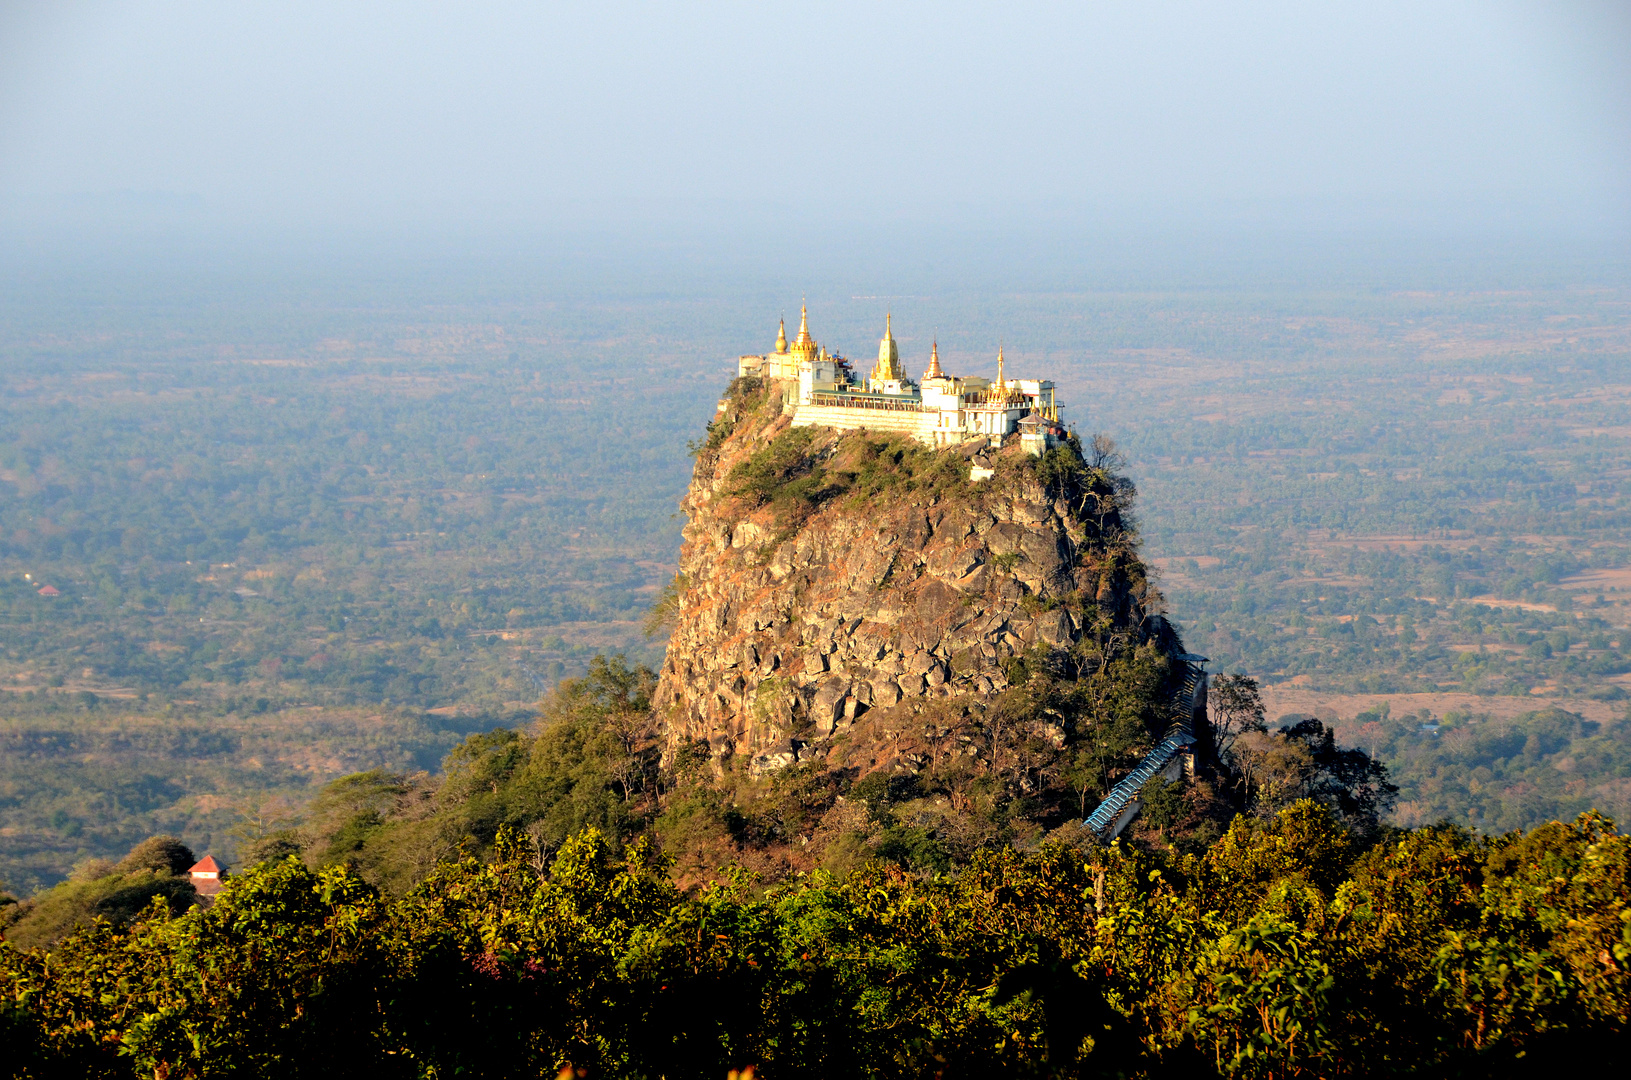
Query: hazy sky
[408, 115]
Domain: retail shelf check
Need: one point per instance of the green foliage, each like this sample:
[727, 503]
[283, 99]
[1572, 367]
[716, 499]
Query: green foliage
[1497, 774]
[1282, 952]
[589, 761]
[874, 467]
[1273, 769]
[799, 470]
[666, 608]
[160, 854]
[1162, 803]
[155, 871]
[780, 471]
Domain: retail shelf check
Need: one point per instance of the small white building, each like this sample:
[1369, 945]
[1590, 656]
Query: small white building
[206, 875]
[941, 410]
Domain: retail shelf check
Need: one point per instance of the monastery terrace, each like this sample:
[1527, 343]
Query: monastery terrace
[942, 410]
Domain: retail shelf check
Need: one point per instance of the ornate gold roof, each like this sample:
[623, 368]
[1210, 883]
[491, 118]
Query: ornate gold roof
[781, 337]
[934, 371]
[888, 368]
[1001, 386]
[804, 346]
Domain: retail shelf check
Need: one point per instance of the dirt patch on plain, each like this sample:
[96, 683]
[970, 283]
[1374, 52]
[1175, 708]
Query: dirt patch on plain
[1497, 602]
[1285, 698]
[1600, 580]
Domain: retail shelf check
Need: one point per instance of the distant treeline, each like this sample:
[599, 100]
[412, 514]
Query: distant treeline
[260, 575]
[1285, 520]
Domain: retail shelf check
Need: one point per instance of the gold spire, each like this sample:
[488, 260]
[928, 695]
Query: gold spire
[934, 371]
[1002, 385]
[804, 346]
[888, 368]
[781, 337]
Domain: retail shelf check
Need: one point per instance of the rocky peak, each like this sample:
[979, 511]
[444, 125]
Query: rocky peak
[830, 581]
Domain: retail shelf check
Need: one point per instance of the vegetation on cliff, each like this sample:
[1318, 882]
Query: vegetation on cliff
[851, 604]
[155, 871]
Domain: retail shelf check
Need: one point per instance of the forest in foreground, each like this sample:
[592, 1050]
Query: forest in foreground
[559, 902]
[1285, 949]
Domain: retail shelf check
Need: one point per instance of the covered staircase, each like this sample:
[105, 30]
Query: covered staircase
[1186, 708]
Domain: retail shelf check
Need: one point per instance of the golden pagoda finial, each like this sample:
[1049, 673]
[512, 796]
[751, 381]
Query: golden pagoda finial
[804, 346]
[889, 368]
[1002, 385]
[934, 371]
[781, 336]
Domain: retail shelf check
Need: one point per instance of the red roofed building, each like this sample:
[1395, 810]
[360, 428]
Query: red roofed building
[206, 875]
[49, 590]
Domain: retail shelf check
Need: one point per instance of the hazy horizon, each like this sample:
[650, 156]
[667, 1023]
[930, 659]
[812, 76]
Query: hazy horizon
[750, 135]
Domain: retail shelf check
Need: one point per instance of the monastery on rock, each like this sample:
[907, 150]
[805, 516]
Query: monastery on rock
[941, 410]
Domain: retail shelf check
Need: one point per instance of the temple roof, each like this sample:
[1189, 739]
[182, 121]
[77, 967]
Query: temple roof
[934, 371]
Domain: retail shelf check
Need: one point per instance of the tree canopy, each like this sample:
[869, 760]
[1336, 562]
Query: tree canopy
[1286, 949]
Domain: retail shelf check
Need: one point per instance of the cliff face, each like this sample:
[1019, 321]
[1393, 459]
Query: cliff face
[832, 581]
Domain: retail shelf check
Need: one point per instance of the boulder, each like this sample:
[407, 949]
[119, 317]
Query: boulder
[775, 758]
[827, 708]
[920, 663]
[1053, 628]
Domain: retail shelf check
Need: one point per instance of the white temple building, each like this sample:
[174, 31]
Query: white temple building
[941, 409]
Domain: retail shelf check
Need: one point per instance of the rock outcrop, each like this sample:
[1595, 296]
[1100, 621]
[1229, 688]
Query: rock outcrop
[829, 577]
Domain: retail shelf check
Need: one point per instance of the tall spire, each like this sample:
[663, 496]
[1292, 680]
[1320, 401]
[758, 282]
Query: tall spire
[804, 346]
[781, 336]
[934, 371]
[1002, 385]
[888, 368]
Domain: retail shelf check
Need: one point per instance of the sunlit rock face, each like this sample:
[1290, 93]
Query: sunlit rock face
[798, 619]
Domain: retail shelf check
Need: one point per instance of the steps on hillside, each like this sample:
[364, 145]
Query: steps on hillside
[1112, 816]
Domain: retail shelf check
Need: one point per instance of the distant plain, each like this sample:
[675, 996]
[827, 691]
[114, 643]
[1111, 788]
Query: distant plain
[298, 535]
